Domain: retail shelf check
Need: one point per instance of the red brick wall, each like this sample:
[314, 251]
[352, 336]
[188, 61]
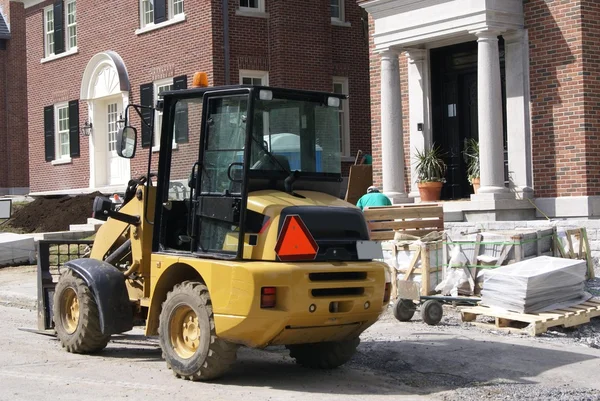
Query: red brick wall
[184, 47]
[590, 12]
[295, 44]
[557, 97]
[13, 102]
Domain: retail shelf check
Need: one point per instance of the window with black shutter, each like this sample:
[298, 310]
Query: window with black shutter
[74, 128]
[49, 133]
[181, 112]
[160, 11]
[146, 99]
[59, 27]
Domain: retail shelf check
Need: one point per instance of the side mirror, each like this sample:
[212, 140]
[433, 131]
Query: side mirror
[126, 142]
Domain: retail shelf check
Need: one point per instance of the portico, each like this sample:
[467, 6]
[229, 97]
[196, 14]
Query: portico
[414, 29]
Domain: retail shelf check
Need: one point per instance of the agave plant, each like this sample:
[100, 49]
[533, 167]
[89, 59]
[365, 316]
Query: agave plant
[471, 155]
[430, 165]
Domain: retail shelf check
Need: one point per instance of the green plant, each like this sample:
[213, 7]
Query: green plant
[471, 155]
[430, 165]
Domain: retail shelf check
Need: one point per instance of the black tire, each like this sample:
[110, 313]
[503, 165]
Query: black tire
[404, 310]
[77, 326]
[326, 355]
[197, 353]
[432, 312]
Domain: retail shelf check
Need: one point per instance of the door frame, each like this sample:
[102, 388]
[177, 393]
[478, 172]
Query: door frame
[99, 157]
[440, 75]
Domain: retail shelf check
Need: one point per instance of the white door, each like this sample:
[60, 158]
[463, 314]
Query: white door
[118, 168]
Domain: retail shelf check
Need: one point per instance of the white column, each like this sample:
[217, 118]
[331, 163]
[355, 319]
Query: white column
[392, 147]
[418, 94]
[489, 100]
[518, 115]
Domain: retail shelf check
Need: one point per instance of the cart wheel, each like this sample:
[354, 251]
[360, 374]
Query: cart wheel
[404, 310]
[431, 312]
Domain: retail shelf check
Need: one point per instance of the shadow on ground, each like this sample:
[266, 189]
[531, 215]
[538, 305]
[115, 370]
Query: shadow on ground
[437, 362]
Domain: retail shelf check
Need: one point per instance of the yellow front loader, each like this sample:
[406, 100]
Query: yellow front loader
[238, 239]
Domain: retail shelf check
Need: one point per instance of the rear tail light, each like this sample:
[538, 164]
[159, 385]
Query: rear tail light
[387, 293]
[267, 297]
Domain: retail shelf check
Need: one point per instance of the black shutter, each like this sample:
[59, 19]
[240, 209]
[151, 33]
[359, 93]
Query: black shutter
[160, 11]
[181, 112]
[59, 27]
[49, 132]
[146, 99]
[74, 127]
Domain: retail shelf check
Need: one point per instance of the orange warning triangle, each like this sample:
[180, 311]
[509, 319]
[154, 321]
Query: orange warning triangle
[295, 242]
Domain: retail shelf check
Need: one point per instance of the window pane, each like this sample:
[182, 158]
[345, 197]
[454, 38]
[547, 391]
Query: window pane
[249, 3]
[63, 131]
[49, 32]
[177, 7]
[159, 114]
[303, 135]
[335, 8]
[112, 127]
[226, 130]
[148, 12]
[72, 24]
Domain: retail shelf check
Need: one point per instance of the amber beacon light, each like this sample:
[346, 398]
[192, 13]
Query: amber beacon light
[200, 80]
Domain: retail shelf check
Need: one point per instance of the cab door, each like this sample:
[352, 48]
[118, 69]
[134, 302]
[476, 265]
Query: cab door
[219, 199]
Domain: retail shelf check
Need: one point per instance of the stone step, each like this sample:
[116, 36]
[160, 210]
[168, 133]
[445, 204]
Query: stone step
[91, 220]
[84, 227]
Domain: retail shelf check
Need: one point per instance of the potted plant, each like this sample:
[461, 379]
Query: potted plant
[471, 155]
[431, 172]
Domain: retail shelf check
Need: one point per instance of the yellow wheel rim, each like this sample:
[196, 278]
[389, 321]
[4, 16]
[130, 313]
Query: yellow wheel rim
[184, 331]
[70, 310]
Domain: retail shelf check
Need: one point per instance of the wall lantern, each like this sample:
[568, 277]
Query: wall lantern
[86, 129]
[121, 120]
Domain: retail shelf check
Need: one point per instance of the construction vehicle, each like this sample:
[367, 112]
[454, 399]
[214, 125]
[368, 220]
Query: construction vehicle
[226, 245]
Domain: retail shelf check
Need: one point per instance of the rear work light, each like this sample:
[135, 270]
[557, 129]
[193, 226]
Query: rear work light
[387, 293]
[267, 297]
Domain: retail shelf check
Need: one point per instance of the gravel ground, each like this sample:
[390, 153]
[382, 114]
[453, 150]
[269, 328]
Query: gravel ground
[520, 392]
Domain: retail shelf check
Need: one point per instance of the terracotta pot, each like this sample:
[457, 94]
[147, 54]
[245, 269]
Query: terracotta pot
[475, 184]
[430, 191]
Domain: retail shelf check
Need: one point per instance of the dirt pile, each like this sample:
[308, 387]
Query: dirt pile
[53, 214]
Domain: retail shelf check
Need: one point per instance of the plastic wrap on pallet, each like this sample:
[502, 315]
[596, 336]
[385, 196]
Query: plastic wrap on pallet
[535, 284]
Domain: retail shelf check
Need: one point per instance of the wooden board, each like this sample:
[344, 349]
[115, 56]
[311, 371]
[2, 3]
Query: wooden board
[360, 179]
[537, 323]
[418, 220]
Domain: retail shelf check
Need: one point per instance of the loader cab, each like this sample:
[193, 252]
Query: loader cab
[236, 140]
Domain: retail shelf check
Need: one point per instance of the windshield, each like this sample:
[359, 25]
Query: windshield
[301, 135]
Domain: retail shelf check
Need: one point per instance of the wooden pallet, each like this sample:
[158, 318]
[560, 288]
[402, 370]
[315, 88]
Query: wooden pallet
[535, 323]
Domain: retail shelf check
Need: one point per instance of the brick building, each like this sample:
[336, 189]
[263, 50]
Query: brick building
[86, 60]
[521, 76]
[14, 176]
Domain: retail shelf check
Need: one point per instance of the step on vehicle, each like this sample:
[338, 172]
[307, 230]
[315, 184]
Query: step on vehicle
[238, 239]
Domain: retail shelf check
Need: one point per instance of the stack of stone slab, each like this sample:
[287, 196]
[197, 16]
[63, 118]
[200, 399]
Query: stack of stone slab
[535, 284]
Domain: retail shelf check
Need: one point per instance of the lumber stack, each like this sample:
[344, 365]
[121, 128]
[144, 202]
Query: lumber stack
[532, 285]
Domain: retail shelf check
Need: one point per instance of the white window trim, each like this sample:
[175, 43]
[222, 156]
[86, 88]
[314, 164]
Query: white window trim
[151, 27]
[252, 11]
[156, 84]
[64, 158]
[262, 75]
[66, 25]
[346, 105]
[45, 19]
[74, 50]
